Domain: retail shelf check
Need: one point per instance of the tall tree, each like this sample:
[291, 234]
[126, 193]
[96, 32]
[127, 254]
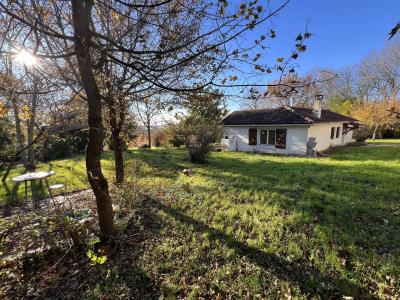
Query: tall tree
[377, 114]
[293, 90]
[254, 99]
[147, 109]
[180, 46]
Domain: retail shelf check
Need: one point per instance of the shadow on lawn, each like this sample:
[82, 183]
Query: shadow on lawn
[163, 163]
[49, 269]
[345, 201]
[307, 278]
[71, 276]
[354, 206]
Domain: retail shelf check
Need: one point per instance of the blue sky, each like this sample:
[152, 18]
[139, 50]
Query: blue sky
[344, 32]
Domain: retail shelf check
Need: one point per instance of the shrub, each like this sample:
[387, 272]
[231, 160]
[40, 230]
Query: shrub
[144, 147]
[362, 133]
[7, 138]
[177, 140]
[157, 141]
[62, 144]
[200, 128]
[199, 139]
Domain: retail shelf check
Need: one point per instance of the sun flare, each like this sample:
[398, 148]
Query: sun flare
[26, 58]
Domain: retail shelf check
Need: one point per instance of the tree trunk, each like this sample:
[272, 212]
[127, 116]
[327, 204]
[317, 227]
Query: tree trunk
[18, 130]
[374, 133]
[148, 132]
[82, 18]
[31, 126]
[116, 142]
[119, 159]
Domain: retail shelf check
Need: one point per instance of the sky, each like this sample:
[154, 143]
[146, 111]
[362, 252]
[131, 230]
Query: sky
[343, 31]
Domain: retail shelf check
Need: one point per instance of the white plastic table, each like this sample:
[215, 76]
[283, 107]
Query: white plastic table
[31, 177]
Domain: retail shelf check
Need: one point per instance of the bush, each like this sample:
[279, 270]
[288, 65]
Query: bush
[144, 147]
[177, 140]
[199, 140]
[157, 141]
[62, 144]
[362, 133]
[7, 138]
[200, 127]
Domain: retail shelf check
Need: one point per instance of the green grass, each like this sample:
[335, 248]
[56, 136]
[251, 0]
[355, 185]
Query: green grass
[250, 225]
[384, 141]
[73, 169]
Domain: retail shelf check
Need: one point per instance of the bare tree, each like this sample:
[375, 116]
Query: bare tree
[380, 73]
[295, 91]
[147, 109]
[254, 100]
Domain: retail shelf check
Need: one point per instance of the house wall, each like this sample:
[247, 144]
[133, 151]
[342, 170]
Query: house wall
[322, 134]
[296, 139]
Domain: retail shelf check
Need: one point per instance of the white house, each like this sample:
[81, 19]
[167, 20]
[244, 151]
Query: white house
[286, 130]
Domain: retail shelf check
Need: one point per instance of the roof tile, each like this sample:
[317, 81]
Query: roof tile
[282, 115]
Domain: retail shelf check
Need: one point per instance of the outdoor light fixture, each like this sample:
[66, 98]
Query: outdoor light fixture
[26, 58]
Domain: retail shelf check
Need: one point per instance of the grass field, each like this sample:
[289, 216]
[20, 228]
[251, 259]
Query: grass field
[384, 141]
[73, 169]
[259, 226]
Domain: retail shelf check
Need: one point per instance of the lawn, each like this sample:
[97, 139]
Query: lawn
[260, 226]
[73, 169]
[384, 141]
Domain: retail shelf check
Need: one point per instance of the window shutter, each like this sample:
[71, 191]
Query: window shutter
[252, 136]
[280, 138]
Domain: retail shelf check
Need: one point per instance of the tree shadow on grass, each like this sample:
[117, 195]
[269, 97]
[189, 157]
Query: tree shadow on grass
[298, 273]
[56, 274]
[352, 206]
[164, 163]
[45, 267]
[349, 200]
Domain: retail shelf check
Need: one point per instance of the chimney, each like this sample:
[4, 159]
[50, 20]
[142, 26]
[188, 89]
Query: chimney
[318, 106]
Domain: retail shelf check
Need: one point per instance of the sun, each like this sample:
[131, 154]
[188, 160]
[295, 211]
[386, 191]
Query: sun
[26, 58]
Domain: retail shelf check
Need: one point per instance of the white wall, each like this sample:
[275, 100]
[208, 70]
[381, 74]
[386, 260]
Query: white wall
[296, 139]
[322, 134]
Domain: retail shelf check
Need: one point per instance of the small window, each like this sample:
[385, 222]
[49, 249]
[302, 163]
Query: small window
[271, 137]
[332, 133]
[280, 138]
[263, 136]
[226, 137]
[337, 132]
[252, 136]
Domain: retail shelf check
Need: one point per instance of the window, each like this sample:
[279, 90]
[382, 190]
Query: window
[263, 136]
[337, 132]
[267, 137]
[332, 133]
[280, 138]
[252, 136]
[226, 137]
[271, 137]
